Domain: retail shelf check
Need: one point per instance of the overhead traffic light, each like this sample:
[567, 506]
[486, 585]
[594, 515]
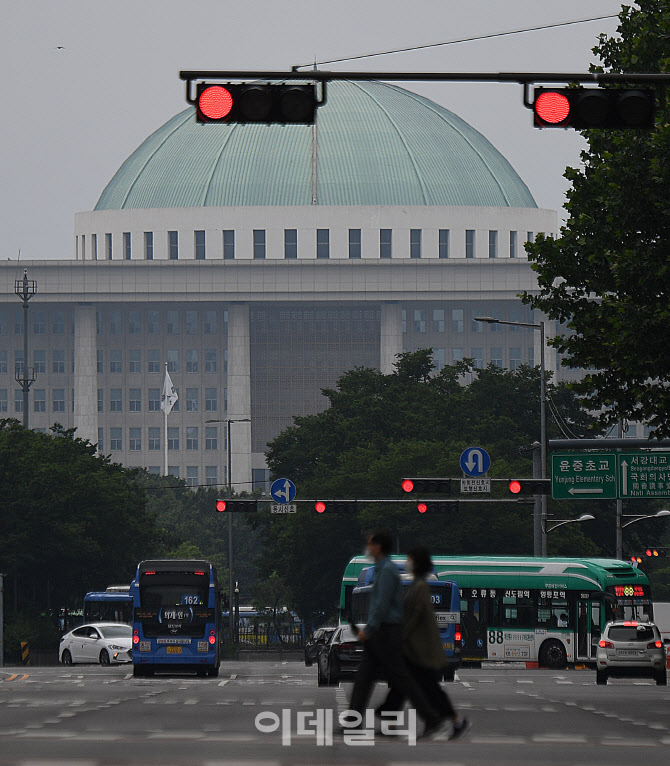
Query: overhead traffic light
[437, 506]
[256, 103]
[655, 552]
[529, 486]
[423, 486]
[583, 108]
[236, 506]
[335, 506]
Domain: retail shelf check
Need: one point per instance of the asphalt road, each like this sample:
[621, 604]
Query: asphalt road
[93, 716]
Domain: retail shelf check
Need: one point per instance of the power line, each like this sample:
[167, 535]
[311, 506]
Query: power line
[455, 42]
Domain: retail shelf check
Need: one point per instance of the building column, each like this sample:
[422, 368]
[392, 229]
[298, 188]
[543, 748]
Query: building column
[391, 341]
[239, 395]
[85, 372]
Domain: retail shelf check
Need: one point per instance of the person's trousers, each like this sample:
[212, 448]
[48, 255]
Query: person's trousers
[428, 681]
[383, 659]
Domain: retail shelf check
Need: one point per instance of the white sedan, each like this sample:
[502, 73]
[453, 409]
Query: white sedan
[105, 642]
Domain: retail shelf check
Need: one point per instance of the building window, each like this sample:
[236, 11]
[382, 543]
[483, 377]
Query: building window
[191, 475]
[514, 358]
[192, 438]
[173, 438]
[420, 320]
[40, 361]
[438, 320]
[3, 362]
[515, 316]
[228, 244]
[115, 400]
[191, 322]
[94, 247]
[175, 406]
[154, 399]
[173, 360]
[403, 315]
[3, 400]
[211, 438]
[513, 237]
[476, 326]
[456, 355]
[101, 440]
[39, 322]
[191, 400]
[457, 322]
[135, 439]
[173, 245]
[191, 360]
[115, 323]
[415, 243]
[211, 400]
[3, 323]
[210, 360]
[59, 400]
[153, 322]
[443, 243]
[469, 243]
[154, 439]
[259, 244]
[153, 360]
[134, 322]
[173, 470]
[200, 245]
[100, 361]
[58, 362]
[225, 361]
[497, 356]
[172, 318]
[385, 243]
[290, 244]
[493, 244]
[135, 400]
[477, 355]
[58, 323]
[99, 323]
[108, 246]
[148, 245]
[135, 360]
[116, 439]
[211, 475]
[18, 362]
[40, 400]
[323, 243]
[530, 236]
[354, 243]
[126, 245]
[18, 400]
[209, 323]
[101, 400]
[115, 360]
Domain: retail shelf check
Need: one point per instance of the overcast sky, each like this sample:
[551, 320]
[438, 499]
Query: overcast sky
[71, 116]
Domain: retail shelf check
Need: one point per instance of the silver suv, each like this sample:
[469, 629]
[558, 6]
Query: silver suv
[630, 648]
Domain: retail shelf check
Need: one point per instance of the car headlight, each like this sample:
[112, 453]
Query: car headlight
[117, 647]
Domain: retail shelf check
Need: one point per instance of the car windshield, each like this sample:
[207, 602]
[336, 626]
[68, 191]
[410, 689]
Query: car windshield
[116, 631]
[631, 633]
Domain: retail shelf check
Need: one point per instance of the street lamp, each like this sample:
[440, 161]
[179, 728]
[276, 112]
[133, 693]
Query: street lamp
[540, 509]
[561, 522]
[230, 421]
[641, 517]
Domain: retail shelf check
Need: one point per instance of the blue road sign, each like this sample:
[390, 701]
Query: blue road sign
[475, 461]
[282, 490]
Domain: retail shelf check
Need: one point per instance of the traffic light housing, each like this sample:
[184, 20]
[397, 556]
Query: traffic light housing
[236, 506]
[437, 506]
[335, 506]
[521, 487]
[584, 108]
[655, 552]
[276, 103]
[423, 486]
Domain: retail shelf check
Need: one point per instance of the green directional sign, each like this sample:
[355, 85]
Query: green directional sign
[584, 476]
[644, 474]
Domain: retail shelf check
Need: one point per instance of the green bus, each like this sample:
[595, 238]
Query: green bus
[549, 611]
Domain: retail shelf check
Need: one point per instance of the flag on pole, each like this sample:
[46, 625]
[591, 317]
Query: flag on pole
[170, 394]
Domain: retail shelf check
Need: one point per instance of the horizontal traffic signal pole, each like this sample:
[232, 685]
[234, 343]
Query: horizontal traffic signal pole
[236, 506]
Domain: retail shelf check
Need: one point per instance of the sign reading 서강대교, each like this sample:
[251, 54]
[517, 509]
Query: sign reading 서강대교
[586, 476]
[644, 474]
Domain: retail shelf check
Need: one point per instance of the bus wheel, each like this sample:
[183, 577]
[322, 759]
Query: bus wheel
[201, 672]
[552, 655]
[139, 671]
[213, 672]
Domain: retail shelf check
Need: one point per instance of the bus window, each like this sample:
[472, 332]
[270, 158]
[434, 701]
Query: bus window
[553, 613]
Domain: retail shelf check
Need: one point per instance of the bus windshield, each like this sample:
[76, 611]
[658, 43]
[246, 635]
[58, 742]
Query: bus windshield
[173, 589]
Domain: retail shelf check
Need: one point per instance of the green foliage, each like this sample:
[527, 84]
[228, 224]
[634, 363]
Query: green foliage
[41, 633]
[379, 428]
[608, 275]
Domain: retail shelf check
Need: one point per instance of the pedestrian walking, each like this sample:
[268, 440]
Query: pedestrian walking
[422, 646]
[382, 640]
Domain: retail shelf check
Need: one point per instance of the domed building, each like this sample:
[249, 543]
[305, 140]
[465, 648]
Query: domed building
[262, 261]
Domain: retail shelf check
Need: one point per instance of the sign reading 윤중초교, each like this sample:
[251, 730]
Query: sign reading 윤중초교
[586, 476]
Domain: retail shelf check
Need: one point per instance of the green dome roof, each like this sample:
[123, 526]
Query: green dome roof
[377, 144]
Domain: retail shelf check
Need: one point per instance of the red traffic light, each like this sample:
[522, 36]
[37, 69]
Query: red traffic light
[587, 108]
[552, 108]
[320, 507]
[515, 487]
[422, 507]
[408, 485]
[220, 505]
[215, 102]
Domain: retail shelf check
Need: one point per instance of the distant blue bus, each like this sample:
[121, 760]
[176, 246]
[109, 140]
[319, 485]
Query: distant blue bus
[176, 617]
[112, 605]
[446, 598]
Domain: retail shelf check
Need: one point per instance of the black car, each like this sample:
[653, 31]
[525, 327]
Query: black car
[339, 658]
[316, 643]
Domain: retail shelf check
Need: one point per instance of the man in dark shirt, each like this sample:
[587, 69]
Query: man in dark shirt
[382, 639]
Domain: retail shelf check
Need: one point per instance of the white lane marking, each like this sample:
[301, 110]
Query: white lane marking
[525, 682]
[223, 683]
[240, 763]
[233, 676]
[191, 702]
[176, 735]
[465, 683]
[629, 742]
[562, 738]
[565, 682]
[497, 740]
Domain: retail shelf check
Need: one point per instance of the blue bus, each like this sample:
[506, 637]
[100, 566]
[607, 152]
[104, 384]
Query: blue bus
[176, 617]
[446, 598]
[112, 605]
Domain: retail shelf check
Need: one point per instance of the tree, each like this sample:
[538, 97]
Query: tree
[607, 276]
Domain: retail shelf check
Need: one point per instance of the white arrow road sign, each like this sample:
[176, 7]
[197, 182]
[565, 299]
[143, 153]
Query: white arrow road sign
[573, 491]
[624, 477]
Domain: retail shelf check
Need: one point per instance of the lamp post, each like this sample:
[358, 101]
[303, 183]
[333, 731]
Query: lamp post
[231, 595]
[634, 518]
[25, 376]
[540, 509]
[560, 522]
